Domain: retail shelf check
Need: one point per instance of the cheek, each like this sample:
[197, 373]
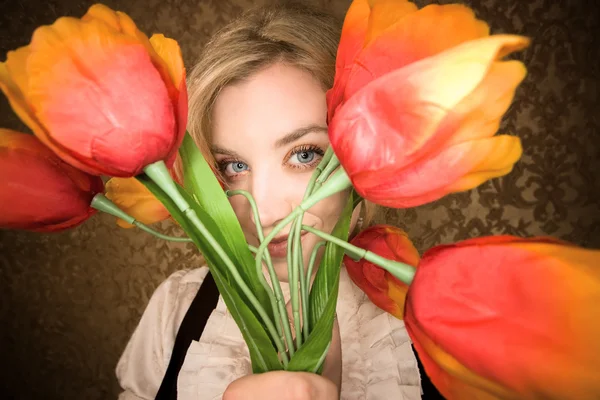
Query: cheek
[328, 210]
[296, 184]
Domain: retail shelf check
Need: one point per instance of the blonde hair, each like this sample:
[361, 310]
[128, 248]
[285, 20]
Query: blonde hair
[298, 35]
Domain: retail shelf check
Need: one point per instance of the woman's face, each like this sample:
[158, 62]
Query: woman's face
[269, 134]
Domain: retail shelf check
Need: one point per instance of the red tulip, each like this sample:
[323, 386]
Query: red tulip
[40, 192]
[383, 289]
[508, 318]
[417, 99]
[100, 94]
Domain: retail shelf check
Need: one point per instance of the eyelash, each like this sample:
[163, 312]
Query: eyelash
[300, 149]
[306, 148]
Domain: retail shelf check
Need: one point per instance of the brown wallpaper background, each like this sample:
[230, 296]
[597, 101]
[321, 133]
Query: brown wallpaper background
[69, 301]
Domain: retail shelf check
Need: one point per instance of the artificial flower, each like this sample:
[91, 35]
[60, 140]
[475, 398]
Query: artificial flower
[98, 93]
[40, 192]
[417, 98]
[508, 318]
[383, 289]
[131, 196]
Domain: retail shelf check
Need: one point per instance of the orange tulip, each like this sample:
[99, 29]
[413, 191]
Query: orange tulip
[136, 200]
[417, 98]
[383, 289]
[100, 94]
[508, 318]
[131, 196]
[40, 192]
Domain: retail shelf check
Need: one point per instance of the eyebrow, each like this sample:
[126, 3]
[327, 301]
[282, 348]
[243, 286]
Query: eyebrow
[219, 150]
[298, 133]
[287, 139]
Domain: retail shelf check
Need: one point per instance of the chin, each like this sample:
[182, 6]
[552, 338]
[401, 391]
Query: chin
[281, 270]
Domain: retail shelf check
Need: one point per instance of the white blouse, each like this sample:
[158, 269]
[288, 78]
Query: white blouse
[377, 359]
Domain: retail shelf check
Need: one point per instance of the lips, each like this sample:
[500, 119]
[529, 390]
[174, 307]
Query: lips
[278, 246]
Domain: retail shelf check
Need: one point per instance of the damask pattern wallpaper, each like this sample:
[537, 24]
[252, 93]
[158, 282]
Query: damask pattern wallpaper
[69, 301]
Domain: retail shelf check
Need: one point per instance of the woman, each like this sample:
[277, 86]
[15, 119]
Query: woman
[258, 111]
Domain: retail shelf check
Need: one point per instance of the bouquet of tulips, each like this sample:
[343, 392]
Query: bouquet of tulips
[417, 100]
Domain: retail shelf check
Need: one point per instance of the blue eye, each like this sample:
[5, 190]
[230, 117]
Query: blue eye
[239, 166]
[236, 167]
[303, 157]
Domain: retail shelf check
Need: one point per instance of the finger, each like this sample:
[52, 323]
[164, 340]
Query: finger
[281, 385]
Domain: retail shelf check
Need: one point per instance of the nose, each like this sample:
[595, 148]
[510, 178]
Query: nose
[273, 197]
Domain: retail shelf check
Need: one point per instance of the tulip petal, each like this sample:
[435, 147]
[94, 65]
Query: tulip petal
[13, 82]
[402, 36]
[351, 42]
[131, 196]
[16, 99]
[425, 32]
[384, 14]
[457, 168]
[522, 313]
[121, 22]
[378, 118]
[165, 55]
[168, 50]
[41, 192]
[451, 378]
[103, 13]
[16, 67]
[382, 288]
[483, 109]
[130, 28]
[77, 84]
[498, 161]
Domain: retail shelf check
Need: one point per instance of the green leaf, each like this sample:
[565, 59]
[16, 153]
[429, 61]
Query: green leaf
[307, 357]
[262, 352]
[329, 268]
[323, 299]
[200, 181]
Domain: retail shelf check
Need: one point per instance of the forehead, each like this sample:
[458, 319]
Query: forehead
[274, 101]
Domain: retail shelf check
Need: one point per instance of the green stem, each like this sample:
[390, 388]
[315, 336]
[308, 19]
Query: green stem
[282, 224]
[259, 255]
[338, 182]
[101, 203]
[328, 170]
[276, 299]
[305, 292]
[290, 270]
[400, 270]
[297, 264]
[313, 259]
[160, 235]
[305, 278]
[159, 173]
[315, 175]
